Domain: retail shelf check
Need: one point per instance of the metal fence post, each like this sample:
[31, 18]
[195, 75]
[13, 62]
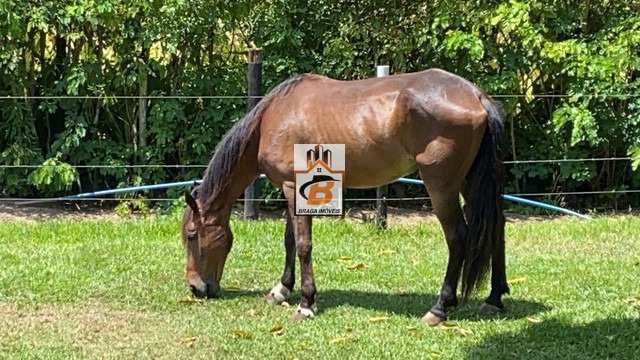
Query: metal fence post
[254, 79]
[381, 192]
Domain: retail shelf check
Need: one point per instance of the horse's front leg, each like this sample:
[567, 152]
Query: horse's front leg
[282, 291]
[302, 234]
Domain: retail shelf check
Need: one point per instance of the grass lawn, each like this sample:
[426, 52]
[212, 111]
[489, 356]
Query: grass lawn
[105, 289]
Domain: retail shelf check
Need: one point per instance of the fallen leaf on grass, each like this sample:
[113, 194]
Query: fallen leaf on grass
[534, 320]
[344, 258]
[378, 319]
[358, 266]
[455, 328]
[342, 339]
[277, 330]
[190, 301]
[414, 331]
[518, 280]
[633, 301]
[188, 342]
[414, 261]
[463, 331]
[241, 334]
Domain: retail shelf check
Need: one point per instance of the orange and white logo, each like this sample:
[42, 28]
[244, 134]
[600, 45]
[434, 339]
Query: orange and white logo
[319, 169]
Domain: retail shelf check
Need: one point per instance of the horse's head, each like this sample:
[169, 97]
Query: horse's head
[207, 238]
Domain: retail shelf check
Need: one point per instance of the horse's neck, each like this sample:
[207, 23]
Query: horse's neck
[245, 171]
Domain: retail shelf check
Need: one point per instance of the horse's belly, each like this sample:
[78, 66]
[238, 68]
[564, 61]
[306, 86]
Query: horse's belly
[365, 167]
[376, 168]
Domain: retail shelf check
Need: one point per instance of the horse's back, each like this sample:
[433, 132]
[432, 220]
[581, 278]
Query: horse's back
[385, 123]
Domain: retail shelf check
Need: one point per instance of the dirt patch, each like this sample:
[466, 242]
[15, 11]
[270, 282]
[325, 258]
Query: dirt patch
[395, 215]
[17, 212]
[93, 328]
[85, 319]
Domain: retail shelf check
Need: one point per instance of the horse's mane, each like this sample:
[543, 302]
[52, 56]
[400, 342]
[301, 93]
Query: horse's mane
[233, 145]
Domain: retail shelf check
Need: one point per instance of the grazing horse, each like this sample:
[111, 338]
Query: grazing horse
[431, 121]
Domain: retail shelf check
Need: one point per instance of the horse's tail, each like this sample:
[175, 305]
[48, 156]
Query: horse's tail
[483, 190]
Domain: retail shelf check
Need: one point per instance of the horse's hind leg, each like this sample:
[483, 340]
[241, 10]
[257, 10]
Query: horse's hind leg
[282, 291]
[446, 205]
[499, 285]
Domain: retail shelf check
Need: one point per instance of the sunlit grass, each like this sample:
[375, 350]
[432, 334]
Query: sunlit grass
[115, 289]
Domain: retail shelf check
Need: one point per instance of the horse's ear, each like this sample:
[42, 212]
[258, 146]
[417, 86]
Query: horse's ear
[192, 204]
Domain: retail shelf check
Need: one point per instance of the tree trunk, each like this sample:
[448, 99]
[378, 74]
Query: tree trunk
[142, 101]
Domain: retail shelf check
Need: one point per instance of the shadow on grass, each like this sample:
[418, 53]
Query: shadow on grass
[413, 305]
[555, 339]
[417, 304]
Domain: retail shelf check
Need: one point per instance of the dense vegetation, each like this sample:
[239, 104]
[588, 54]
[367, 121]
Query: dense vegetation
[121, 47]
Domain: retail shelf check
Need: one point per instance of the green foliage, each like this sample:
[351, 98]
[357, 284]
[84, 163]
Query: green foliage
[53, 176]
[458, 40]
[126, 208]
[634, 152]
[585, 127]
[588, 50]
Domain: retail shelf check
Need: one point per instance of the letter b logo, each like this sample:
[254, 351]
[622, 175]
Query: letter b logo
[320, 195]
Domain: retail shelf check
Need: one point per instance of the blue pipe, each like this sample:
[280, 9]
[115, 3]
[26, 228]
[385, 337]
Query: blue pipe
[511, 198]
[515, 199]
[133, 188]
[115, 191]
[520, 200]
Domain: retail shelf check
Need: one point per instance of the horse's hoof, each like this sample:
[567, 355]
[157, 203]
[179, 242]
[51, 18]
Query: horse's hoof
[271, 300]
[432, 319]
[277, 295]
[489, 309]
[302, 314]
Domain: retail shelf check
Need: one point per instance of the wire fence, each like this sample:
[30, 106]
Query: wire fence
[179, 166]
[277, 200]
[126, 97]
[270, 200]
[258, 200]
[156, 97]
[202, 166]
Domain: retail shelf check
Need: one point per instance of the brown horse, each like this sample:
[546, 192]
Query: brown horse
[431, 121]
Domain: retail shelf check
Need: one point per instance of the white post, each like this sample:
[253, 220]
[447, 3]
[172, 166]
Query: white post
[382, 70]
[381, 192]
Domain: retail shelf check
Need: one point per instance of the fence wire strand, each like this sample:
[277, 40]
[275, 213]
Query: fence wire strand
[160, 97]
[264, 200]
[200, 166]
[257, 200]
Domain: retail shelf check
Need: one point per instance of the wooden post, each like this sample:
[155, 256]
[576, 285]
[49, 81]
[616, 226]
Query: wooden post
[254, 79]
[382, 191]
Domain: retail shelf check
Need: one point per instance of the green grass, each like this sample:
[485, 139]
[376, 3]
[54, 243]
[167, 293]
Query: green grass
[115, 289]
